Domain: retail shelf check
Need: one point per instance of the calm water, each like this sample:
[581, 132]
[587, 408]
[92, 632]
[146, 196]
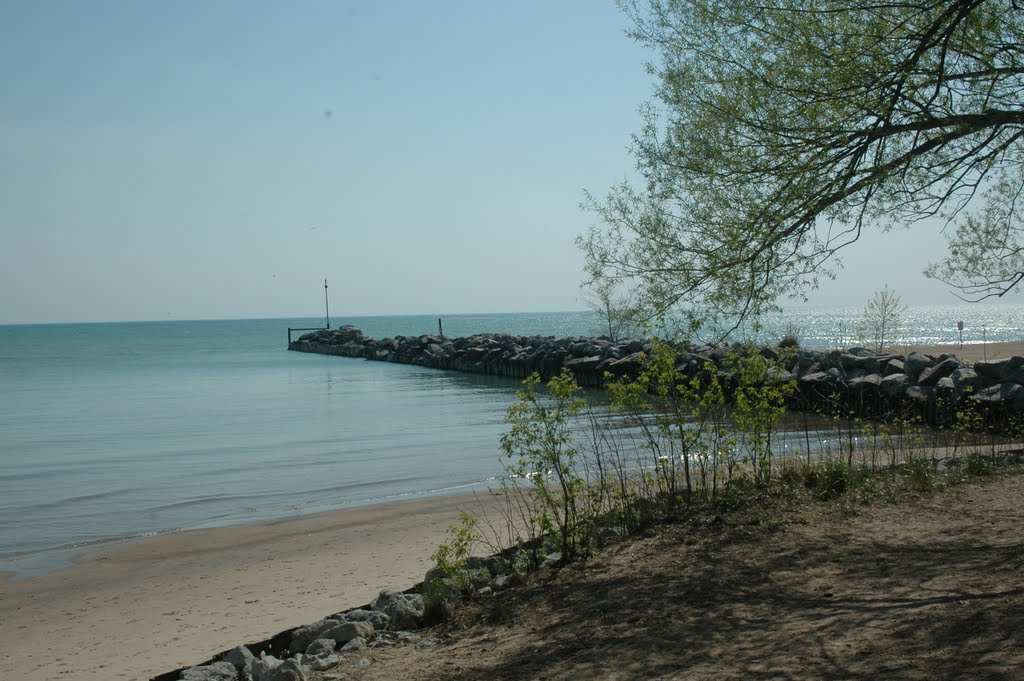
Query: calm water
[113, 431]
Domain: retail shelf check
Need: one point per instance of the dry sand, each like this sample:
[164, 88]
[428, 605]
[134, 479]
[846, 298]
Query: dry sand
[153, 605]
[156, 604]
[969, 352]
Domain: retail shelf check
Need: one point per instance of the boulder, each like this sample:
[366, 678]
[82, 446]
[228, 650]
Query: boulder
[404, 610]
[915, 363]
[895, 384]
[379, 620]
[818, 385]
[837, 376]
[551, 560]
[627, 366]
[990, 371]
[346, 631]
[893, 366]
[263, 667]
[241, 657]
[357, 643]
[304, 636]
[289, 670]
[920, 393]
[965, 380]
[945, 388]
[690, 364]
[813, 369]
[1013, 371]
[320, 655]
[611, 352]
[817, 379]
[998, 394]
[584, 364]
[775, 375]
[635, 346]
[805, 360]
[931, 375]
[340, 628]
[218, 671]
[584, 349]
[718, 354]
[321, 646]
[859, 360]
[869, 382]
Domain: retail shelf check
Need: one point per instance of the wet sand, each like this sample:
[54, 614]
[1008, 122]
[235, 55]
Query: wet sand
[159, 603]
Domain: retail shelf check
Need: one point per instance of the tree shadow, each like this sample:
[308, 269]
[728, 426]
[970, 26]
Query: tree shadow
[772, 607]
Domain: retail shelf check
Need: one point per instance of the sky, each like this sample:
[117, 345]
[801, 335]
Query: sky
[197, 160]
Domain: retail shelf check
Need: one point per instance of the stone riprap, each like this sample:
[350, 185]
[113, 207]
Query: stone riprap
[874, 385]
[856, 382]
[486, 353]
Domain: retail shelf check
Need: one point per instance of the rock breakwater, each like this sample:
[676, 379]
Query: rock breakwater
[486, 353]
[855, 382]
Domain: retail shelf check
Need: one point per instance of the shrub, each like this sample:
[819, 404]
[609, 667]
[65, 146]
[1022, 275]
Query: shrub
[541, 447]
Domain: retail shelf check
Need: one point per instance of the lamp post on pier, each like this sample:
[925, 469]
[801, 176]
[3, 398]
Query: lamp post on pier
[327, 305]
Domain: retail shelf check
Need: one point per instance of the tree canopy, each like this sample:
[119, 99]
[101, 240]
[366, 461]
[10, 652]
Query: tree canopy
[779, 130]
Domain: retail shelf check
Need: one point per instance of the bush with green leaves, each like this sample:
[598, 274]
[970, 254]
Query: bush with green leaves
[542, 447]
[759, 404]
[680, 429]
[452, 555]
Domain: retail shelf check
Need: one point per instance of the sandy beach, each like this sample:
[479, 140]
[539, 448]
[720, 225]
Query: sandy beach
[969, 352]
[149, 606]
[156, 604]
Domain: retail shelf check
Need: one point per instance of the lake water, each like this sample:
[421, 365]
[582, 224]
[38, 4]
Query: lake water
[120, 430]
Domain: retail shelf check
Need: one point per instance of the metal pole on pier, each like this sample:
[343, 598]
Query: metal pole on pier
[327, 305]
[440, 331]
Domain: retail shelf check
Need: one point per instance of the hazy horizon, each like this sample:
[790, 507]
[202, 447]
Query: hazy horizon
[342, 317]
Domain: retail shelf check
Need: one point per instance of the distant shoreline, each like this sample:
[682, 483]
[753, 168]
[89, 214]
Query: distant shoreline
[968, 352]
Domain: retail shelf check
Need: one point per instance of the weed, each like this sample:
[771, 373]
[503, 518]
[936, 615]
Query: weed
[919, 474]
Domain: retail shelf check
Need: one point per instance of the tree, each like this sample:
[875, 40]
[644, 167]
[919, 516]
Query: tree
[882, 315]
[781, 129]
[986, 252]
[621, 317]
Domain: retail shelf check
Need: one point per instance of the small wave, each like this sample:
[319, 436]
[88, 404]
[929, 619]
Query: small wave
[248, 498]
[65, 502]
[202, 501]
[72, 546]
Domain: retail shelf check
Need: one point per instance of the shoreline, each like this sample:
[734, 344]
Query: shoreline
[969, 352]
[157, 603]
[41, 562]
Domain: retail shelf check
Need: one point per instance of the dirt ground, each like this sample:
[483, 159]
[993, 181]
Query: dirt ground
[928, 589]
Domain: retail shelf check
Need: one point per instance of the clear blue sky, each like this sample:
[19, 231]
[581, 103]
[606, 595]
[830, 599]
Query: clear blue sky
[186, 160]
